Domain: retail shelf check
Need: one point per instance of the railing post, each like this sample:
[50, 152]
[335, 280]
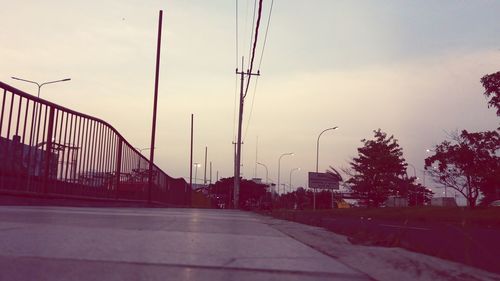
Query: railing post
[48, 150]
[118, 166]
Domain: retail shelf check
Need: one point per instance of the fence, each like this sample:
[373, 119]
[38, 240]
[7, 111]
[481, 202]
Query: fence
[51, 150]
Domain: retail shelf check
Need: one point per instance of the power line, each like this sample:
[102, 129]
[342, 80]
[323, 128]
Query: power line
[251, 108]
[235, 106]
[236, 78]
[253, 25]
[260, 63]
[254, 45]
[236, 61]
[265, 36]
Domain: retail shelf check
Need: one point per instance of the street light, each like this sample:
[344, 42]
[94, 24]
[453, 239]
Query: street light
[414, 170]
[267, 172]
[279, 163]
[317, 162]
[317, 145]
[40, 85]
[290, 182]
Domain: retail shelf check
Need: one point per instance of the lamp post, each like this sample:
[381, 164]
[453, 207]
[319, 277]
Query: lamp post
[267, 172]
[41, 84]
[317, 162]
[279, 163]
[415, 176]
[290, 182]
[414, 170]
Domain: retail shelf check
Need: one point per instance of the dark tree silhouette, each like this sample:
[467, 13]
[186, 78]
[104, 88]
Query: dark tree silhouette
[303, 198]
[379, 170]
[251, 193]
[469, 163]
[417, 194]
[491, 84]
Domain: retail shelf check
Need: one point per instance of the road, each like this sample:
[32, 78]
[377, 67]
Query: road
[94, 243]
[68, 243]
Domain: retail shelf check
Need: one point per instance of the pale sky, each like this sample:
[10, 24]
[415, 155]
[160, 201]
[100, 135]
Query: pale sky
[411, 68]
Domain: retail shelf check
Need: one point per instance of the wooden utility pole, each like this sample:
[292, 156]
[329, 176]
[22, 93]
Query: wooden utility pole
[237, 164]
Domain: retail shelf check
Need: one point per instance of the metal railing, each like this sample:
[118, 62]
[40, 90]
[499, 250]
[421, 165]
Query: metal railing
[51, 150]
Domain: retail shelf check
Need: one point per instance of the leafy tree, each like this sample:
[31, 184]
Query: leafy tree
[251, 193]
[469, 163]
[303, 198]
[491, 84]
[379, 170]
[417, 194]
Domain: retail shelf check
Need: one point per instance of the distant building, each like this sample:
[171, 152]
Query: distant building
[20, 159]
[257, 180]
[199, 186]
[444, 202]
[395, 201]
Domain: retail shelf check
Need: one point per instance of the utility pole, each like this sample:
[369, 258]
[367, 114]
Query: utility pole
[237, 161]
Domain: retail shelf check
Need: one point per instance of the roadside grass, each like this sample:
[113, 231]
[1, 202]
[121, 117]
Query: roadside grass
[489, 217]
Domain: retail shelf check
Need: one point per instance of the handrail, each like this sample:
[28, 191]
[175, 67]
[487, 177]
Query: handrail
[62, 151]
[62, 108]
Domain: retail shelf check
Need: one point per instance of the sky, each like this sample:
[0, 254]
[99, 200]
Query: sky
[411, 68]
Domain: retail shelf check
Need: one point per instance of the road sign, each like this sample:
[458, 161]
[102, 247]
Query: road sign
[323, 180]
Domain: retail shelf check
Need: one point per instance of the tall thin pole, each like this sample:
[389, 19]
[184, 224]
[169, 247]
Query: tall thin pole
[290, 182]
[237, 173]
[153, 129]
[231, 191]
[279, 168]
[317, 164]
[205, 173]
[210, 178]
[237, 162]
[267, 171]
[191, 156]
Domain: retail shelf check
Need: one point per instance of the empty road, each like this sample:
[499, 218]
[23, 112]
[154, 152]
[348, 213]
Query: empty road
[67, 243]
[90, 243]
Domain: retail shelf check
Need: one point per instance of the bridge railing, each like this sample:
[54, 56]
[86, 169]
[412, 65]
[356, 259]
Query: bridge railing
[49, 149]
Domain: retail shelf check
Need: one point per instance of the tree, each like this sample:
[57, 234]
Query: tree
[417, 194]
[469, 163]
[251, 193]
[491, 84]
[379, 170]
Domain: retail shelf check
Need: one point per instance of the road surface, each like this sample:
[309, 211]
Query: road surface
[89, 243]
[67, 243]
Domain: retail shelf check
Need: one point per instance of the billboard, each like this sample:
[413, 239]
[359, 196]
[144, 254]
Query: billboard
[324, 180]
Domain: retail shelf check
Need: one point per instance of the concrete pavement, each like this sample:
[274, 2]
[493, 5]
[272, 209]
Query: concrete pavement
[65, 243]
